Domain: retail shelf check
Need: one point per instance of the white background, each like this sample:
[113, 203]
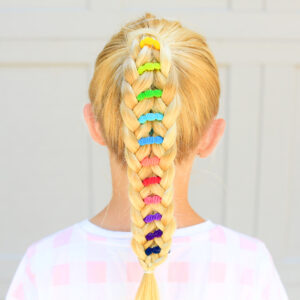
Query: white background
[53, 175]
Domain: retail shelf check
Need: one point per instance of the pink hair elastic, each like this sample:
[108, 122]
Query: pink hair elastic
[152, 199]
[150, 161]
[151, 180]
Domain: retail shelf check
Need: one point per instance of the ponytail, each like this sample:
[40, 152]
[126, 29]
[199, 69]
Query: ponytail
[149, 108]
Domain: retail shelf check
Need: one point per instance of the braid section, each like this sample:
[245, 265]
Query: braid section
[150, 106]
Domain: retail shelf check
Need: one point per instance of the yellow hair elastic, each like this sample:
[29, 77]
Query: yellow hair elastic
[150, 42]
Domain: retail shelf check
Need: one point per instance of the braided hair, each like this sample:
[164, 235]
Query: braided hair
[154, 91]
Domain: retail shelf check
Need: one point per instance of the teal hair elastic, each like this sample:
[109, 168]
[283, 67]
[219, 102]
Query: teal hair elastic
[150, 117]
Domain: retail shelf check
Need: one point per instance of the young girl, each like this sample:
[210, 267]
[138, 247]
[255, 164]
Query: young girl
[154, 98]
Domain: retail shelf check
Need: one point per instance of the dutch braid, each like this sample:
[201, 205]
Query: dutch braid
[149, 107]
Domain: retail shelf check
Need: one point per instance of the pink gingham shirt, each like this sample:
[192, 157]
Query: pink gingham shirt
[207, 261]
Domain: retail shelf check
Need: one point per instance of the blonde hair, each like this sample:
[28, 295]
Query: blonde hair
[180, 64]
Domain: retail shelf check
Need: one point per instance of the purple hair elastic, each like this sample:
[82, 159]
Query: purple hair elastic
[151, 218]
[152, 235]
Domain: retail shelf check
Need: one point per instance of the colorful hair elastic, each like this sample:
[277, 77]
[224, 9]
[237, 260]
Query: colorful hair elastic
[150, 250]
[151, 180]
[147, 161]
[150, 140]
[149, 94]
[150, 117]
[152, 235]
[149, 66]
[149, 41]
[151, 218]
[152, 199]
[150, 161]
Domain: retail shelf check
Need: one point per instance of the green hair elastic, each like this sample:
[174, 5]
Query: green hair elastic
[149, 94]
[149, 66]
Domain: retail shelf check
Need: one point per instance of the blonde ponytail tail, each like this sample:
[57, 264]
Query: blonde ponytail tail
[149, 107]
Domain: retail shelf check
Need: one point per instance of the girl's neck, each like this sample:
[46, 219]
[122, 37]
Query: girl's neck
[117, 218]
[116, 215]
[114, 220]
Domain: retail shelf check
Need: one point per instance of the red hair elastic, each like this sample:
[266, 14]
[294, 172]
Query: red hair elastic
[151, 180]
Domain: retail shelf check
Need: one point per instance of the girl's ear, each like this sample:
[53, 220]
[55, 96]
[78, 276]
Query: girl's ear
[211, 137]
[93, 125]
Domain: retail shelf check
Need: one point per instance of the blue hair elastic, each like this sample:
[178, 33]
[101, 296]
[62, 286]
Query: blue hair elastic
[150, 250]
[150, 117]
[151, 140]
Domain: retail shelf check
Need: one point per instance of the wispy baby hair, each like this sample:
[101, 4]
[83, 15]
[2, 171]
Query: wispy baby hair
[154, 91]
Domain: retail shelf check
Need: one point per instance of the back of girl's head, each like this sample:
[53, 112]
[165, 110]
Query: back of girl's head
[154, 91]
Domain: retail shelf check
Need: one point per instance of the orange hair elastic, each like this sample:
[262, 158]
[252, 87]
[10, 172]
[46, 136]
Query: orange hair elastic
[149, 41]
[150, 161]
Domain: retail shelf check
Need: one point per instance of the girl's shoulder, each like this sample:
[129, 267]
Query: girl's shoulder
[59, 238]
[236, 243]
[53, 247]
[38, 261]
